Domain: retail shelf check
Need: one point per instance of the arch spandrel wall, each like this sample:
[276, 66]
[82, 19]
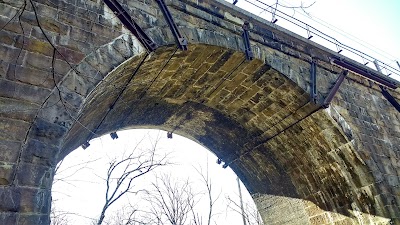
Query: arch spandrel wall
[332, 166]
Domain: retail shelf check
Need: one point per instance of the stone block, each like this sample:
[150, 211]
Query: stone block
[14, 26]
[38, 219]
[32, 76]
[34, 175]
[109, 32]
[11, 198]
[38, 61]
[74, 45]
[86, 71]
[394, 211]
[80, 12]
[6, 173]
[47, 132]
[13, 130]
[7, 38]
[9, 151]
[34, 45]
[8, 218]
[73, 20]
[81, 85]
[37, 33]
[69, 55]
[123, 46]
[81, 35]
[104, 60]
[3, 69]
[7, 88]
[90, 5]
[72, 100]
[39, 153]
[8, 11]
[319, 220]
[34, 201]
[24, 92]
[45, 10]
[52, 25]
[17, 109]
[56, 112]
[149, 9]
[346, 221]
[9, 54]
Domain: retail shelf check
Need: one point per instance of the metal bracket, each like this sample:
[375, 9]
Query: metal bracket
[85, 145]
[133, 27]
[114, 135]
[334, 89]
[180, 41]
[384, 92]
[246, 40]
[390, 98]
[365, 72]
[169, 135]
[313, 83]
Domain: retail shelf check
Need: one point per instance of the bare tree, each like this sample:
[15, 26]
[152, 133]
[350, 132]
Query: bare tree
[206, 180]
[58, 217]
[176, 202]
[302, 6]
[127, 215]
[65, 176]
[122, 173]
[170, 201]
[249, 212]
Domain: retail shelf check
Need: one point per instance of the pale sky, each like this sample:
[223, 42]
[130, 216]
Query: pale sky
[367, 25]
[374, 22]
[83, 194]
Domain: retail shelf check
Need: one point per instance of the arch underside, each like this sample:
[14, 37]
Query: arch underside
[252, 117]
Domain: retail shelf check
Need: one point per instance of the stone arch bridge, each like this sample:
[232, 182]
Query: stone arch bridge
[70, 71]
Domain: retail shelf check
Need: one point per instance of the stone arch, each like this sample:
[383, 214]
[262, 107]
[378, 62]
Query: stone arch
[302, 153]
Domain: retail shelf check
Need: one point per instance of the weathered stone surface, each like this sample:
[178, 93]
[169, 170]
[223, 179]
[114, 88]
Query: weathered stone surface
[40, 153]
[320, 166]
[47, 132]
[30, 174]
[13, 130]
[8, 218]
[9, 151]
[6, 173]
[34, 219]
[24, 200]
[20, 91]
[11, 199]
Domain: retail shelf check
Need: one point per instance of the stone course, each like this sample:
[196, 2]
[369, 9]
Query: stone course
[303, 164]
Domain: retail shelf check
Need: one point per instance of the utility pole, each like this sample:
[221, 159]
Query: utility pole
[241, 201]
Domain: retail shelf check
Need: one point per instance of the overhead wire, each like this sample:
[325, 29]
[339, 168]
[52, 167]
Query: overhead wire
[344, 33]
[322, 35]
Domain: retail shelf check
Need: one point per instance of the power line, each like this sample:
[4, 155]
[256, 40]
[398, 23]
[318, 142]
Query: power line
[344, 33]
[310, 29]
